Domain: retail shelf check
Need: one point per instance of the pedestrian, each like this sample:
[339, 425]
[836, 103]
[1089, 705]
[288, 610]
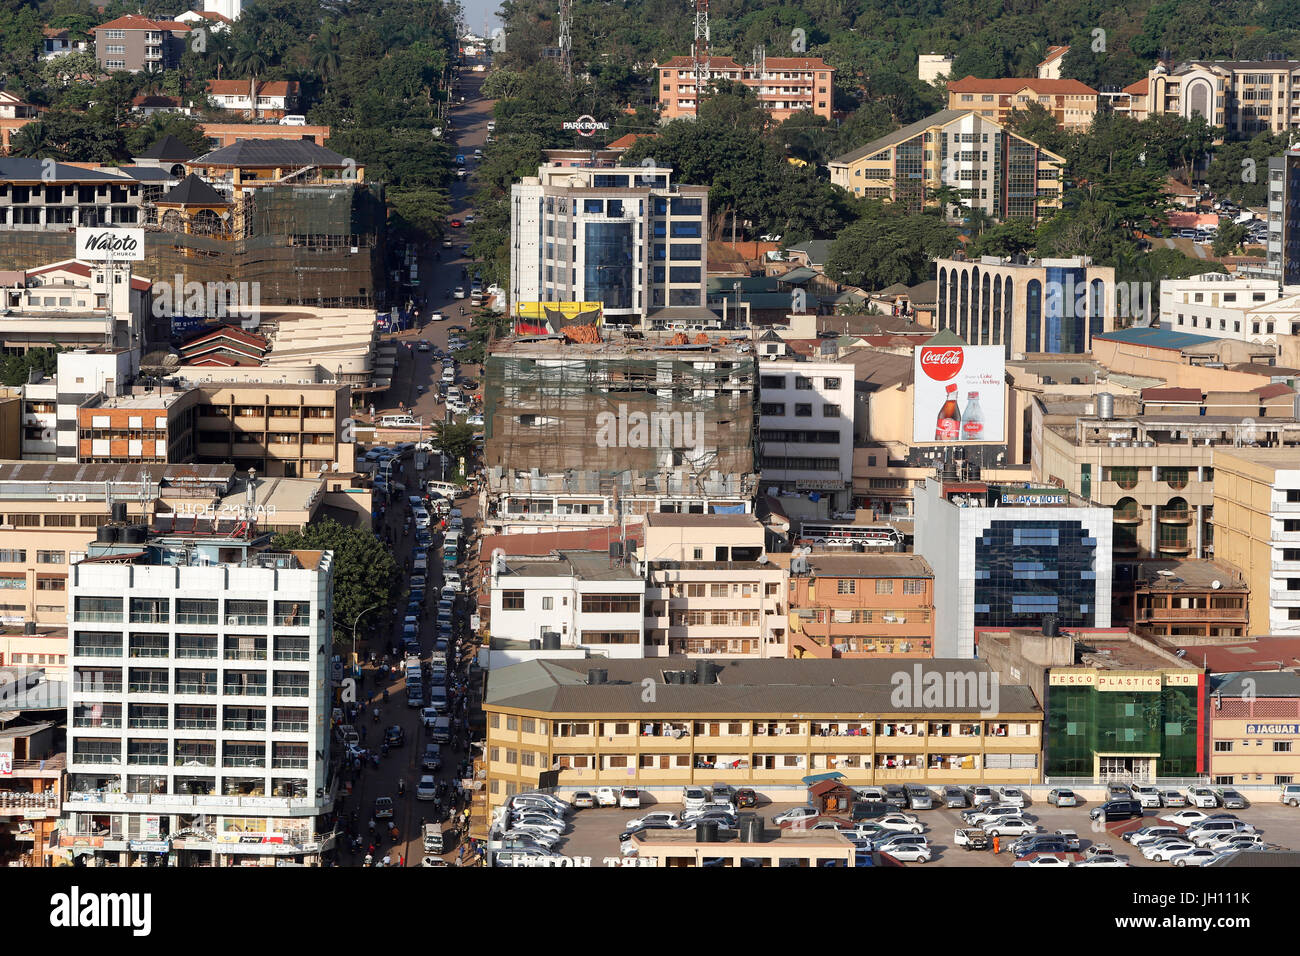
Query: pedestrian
[401, 859]
[997, 845]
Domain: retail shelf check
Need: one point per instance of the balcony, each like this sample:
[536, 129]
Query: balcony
[98, 650]
[92, 800]
[1194, 613]
[148, 687]
[1127, 517]
[98, 617]
[146, 723]
[147, 760]
[1286, 507]
[1174, 517]
[244, 690]
[290, 727]
[195, 688]
[209, 620]
[1282, 594]
[258, 725]
[291, 690]
[243, 762]
[194, 723]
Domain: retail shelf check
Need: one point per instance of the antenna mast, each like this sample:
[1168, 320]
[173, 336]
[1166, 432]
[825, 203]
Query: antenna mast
[566, 37]
[700, 51]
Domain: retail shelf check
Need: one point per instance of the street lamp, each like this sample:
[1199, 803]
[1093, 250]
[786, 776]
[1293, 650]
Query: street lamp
[354, 631]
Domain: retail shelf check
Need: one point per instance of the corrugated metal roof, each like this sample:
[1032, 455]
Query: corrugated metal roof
[1155, 338]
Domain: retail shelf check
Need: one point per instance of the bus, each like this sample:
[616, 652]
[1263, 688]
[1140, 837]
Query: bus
[833, 534]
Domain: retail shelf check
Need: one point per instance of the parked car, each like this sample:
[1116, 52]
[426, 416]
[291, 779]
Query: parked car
[1146, 795]
[722, 794]
[745, 798]
[1290, 794]
[1237, 841]
[1185, 818]
[955, 798]
[981, 794]
[919, 797]
[1010, 826]
[902, 822]
[1103, 861]
[911, 853]
[1117, 791]
[1145, 836]
[658, 816]
[1202, 797]
[1231, 799]
[1162, 850]
[981, 816]
[1038, 843]
[1012, 797]
[583, 800]
[1043, 859]
[1199, 856]
[1071, 840]
[896, 796]
[1172, 799]
[1062, 797]
[607, 796]
[796, 815]
[695, 798]
[1127, 809]
[1207, 831]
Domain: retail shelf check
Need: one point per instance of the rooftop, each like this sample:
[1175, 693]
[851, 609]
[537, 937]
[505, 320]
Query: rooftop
[1192, 575]
[1256, 684]
[769, 687]
[887, 565]
[1155, 338]
[556, 348]
[271, 152]
[583, 565]
[1119, 650]
[659, 519]
[1259, 654]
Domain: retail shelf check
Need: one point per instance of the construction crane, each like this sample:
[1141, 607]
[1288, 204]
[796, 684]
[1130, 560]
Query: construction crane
[700, 51]
[566, 37]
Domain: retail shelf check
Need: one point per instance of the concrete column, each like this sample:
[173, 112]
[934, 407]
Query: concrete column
[1154, 523]
[1200, 518]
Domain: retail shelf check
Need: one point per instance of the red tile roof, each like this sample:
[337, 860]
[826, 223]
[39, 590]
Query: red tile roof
[1139, 88]
[1179, 189]
[132, 22]
[231, 332]
[973, 84]
[539, 545]
[1262, 654]
[625, 141]
[240, 87]
[1272, 391]
[1054, 53]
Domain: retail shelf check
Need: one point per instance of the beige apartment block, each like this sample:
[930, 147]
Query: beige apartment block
[1255, 729]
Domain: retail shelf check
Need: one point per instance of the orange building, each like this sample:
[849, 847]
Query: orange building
[784, 85]
[1071, 103]
[860, 605]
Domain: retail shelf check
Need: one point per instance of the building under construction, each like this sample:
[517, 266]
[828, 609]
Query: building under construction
[318, 245]
[585, 435]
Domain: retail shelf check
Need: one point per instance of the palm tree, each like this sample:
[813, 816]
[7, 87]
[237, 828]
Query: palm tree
[325, 58]
[31, 142]
[246, 56]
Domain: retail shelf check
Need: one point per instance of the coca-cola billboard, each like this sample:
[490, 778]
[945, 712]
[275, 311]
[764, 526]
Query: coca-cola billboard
[959, 394]
[101, 244]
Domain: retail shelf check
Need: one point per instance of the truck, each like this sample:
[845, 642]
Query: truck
[971, 838]
[437, 838]
[442, 730]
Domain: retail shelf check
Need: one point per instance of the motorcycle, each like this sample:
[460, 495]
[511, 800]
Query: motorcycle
[376, 715]
[370, 860]
[401, 788]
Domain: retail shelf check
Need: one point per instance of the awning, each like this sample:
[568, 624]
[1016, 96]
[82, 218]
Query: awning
[819, 777]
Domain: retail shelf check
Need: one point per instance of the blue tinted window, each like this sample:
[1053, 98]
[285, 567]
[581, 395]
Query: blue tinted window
[686, 230]
[684, 274]
[687, 251]
[687, 207]
[593, 205]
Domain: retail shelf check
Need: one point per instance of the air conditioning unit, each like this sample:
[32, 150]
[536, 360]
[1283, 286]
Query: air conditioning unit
[232, 622]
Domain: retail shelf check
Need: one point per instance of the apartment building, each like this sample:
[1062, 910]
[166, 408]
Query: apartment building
[1184, 599]
[50, 406]
[1049, 68]
[1014, 554]
[763, 724]
[859, 605]
[265, 99]
[588, 601]
[40, 196]
[1257, 529]
[626, 428]
[997, 171]
[710, 589]
[74, 304]
[783, 85]
[629, 238]
[1029, 306]
[30, 787]
[1071, 103]
[1227, 307]
[198, 719]
[1255, 728]
[137, 43]
[805, 431]
[1244, 96]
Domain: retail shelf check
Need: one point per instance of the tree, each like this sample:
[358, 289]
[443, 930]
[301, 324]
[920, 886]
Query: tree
[1011, 238]
[880, 250]
[184, 128]
[455, 440]
[365, 573]
[1229, 238]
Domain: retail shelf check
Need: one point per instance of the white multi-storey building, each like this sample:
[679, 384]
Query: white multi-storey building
[627, 237]
[805, 432]
[576, 601]
[1225, 307]
[198, 714]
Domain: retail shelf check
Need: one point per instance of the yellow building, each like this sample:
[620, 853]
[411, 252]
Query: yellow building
[667, 723]
[1255, 729]
[1257, 529]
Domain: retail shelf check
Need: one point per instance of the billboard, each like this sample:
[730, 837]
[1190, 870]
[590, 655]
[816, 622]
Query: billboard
[549, 317]
[958, 394]
[99, 244]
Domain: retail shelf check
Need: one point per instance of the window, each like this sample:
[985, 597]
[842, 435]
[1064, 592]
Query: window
[548, 603]
[512, 600]
[1223, 746]
[611, 603]
[847, 586]
[1281, 746]
[13, 556]
[803, 410]
[802, 382]
[884, 586]
[914, 586]
[830, 411]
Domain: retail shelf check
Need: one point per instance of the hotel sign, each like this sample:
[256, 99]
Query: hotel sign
[1265, 729]
[1035, 498]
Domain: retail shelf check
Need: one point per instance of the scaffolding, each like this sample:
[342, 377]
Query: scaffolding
[315, 246]
[591, 417]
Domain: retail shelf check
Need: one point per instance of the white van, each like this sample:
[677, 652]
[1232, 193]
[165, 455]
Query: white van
[449, 375]
[444, 489]
[397, 421]
[294, 119]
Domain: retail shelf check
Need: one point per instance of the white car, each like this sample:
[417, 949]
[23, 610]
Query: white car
[1011, 797]
[1042, 859]
[1197, 857]
[469, 217]
[1148, 835]
[606, 796]
[910, 853]
[437, 316]
[1202, 797]
[1104, 861]
[900, 823]
[629, 798]
[429, 716]
[541, 837]
[1237, 841]
[695, 798]
[452, 577]
[1185, 818]
[652, 819]
[793, 815]
[426, 789]
[1010, 826]
[458, 292]
[985, 815]
[1163, 850]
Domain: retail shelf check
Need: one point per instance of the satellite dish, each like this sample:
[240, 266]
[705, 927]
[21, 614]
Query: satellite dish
[762, 559]
[1166, 572]
[1216, 584]
[8, 715]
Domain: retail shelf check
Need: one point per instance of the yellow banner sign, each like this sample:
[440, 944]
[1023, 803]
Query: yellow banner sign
[537, 310]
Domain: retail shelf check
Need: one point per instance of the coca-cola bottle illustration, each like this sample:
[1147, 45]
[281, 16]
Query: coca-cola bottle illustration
[972, 420]
[948, 427]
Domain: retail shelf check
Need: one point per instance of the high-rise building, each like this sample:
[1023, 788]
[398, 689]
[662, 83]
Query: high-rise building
[198, 711]
[627, 237]
[1284, 217]
[1012, 556]
[805, 433]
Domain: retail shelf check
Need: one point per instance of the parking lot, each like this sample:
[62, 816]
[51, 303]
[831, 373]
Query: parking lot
[595, 832]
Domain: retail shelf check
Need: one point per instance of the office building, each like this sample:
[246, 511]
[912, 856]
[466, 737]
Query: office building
[1012, 555]
[629, 238]
[1243, 96]
[1038, 305]
[1257, 529]
[1254, 728]
[198, 720]
[1072, 104]
[1117, 707]
[997, 171]
[1284, 217]
[39, 196]
[783, 85]
[857, 605]
[584, 436]
[1226, 307]
[762, 724]
[805, 431]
